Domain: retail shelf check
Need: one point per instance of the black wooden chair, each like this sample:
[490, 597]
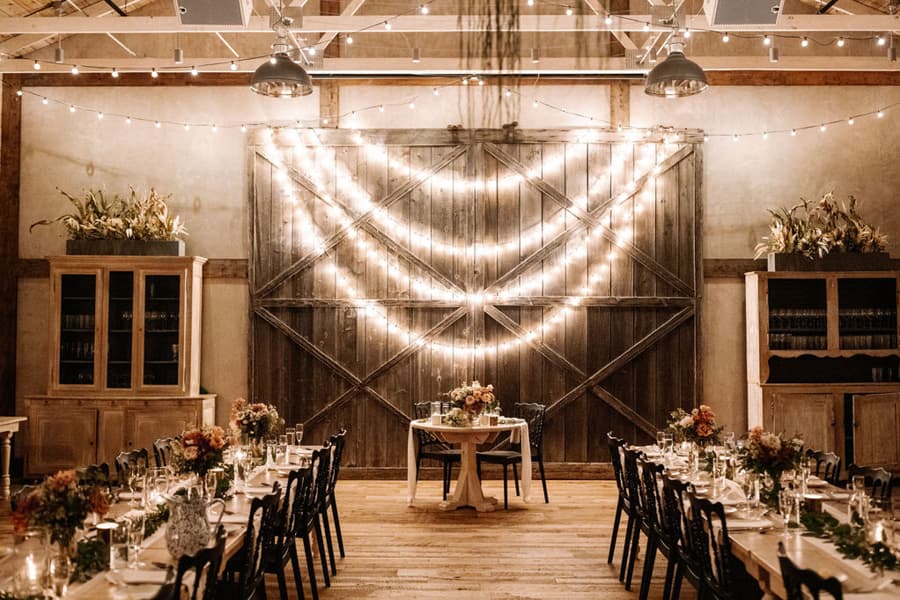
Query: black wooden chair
[283, 550]
[162, 452]
[724, 576]
[637, 522]
[244, 575]
[306, 521]
[534, 415]
[431, 448]
[688, 564]
[795, 579]
[623, 503]
[126, 461]
[827, 465]
[205, 562]
[879, 481]
[662, 535]
[337, 452]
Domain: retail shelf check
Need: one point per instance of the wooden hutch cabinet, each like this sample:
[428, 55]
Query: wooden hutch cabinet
[823, 358]
[124, 359]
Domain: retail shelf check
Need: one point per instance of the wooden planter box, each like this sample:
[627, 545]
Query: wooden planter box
[872, 261]
[125, 247]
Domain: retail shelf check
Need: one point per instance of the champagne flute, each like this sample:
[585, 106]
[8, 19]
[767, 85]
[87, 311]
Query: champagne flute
[786, 506]
[299, 433]
[661, 440]
[135, 528]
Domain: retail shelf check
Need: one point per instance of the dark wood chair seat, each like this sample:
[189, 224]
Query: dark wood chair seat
[795, 579]
[429, 447]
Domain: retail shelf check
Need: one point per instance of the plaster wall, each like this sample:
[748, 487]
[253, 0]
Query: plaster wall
[207, 174]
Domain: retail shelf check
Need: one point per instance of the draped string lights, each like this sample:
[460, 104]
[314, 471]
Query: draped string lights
[617, 218]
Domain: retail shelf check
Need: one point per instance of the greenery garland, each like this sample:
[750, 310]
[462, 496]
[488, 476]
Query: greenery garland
[850, 541]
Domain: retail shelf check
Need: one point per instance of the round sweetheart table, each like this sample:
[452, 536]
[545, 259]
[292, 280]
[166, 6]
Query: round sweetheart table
[468, 486]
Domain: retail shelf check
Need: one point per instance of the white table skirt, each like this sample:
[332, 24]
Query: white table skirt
[468, 487]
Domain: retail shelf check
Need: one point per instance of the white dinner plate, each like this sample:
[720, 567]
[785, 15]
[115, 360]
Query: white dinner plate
[816, 482]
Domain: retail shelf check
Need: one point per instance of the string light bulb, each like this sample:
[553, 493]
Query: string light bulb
[71, 108]
[569, 11]
[100, 116]
[793, 132]
[840, 42]
[233, 66]
[128, 120]
[349, 40]
[311, 50]
[646, 26]
[37, 65]
[726, 38]
[75, 70]
[44, 101]
[19, 93]
[381, 108]
[608, 20]
[215, 128]
[879, 114]
[157, 124]
[823, 128]
[194, 71]
[767, 40]
[687, 33]
[115, 73]
[154, 73]
[851, 121]
[880, 40]
[804, 42]
[436, 92]
[412, 106]
[530, 2]
[423, 9]
[244, 127]
[387, 25]
[765, 135]
[187, 127]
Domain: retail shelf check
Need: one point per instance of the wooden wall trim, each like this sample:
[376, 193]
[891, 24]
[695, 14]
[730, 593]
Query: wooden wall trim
[236, 268]
[716, 78]
[10, 148]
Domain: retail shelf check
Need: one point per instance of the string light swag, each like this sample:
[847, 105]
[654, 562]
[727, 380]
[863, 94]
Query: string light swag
[356, 205]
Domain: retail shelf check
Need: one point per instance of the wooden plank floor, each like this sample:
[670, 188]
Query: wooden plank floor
[555, 550]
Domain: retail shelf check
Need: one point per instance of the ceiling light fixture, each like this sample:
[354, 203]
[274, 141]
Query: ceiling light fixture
[676, 77]
[281, 77]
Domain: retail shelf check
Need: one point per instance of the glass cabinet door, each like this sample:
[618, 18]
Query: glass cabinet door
[120, 319]
[78, 304]
[162, 316]
[867, 313]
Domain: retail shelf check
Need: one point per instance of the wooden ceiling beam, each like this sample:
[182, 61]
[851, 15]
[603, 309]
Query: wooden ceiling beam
[436, 23]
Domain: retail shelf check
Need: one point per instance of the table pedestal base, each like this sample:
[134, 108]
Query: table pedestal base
[468, 487]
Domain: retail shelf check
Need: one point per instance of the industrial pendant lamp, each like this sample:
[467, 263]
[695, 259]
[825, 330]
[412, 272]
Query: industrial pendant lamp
[280, 76]
[676, 76]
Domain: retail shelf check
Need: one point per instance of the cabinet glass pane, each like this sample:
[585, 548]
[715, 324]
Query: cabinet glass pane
[867, 313]
[76, 336]
[161, 325]
[120, 318]
[797, 315]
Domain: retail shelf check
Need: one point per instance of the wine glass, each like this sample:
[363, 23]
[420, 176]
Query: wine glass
[291, 435]
[135, 528]
[59, 569]
[661, 440]
[299, 433]
[786, 506]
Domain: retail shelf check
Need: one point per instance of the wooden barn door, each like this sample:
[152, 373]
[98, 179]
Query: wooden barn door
[390, 266]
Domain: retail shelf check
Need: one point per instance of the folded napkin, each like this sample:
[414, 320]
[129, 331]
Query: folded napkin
[234, 519]
[745, 524]
[136, 592]
[139, 576]
[732, 494]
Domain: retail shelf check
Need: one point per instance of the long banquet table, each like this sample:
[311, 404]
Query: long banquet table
[755, 543]
[154, 553]
[467, 491]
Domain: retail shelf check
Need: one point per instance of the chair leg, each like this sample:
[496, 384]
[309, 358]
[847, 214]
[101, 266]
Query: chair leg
[325, 577]
[670, 572]
[516, 477]
[544, 481]
[282, 584]
[632, 559]
[628, 527]
[478, 468]
[505, 488]
[615, 531]
[647, 572]
[295, 565]
[327, 535]
[675, 593]
[418, 462]
[337, 526]
[310, 568]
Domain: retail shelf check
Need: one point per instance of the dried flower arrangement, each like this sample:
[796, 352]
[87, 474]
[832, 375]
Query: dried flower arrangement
[135, 218]
[821, 228]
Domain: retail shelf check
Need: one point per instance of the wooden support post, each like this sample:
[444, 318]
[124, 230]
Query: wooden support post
[10, 145]
[620, 103]
[329, 103]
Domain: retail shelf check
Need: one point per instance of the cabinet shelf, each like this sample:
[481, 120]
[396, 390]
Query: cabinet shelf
[121, 330]
[79, 298]
[72, 330]
[66, 361]
[156, 331]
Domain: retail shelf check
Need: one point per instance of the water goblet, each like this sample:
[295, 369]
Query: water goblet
[285, 449]
[59, 572]
[661, 440]
[291, 434]
[118, 546]
[135, 528]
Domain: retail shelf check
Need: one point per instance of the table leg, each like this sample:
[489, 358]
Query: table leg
[468, 487]
[5, 438]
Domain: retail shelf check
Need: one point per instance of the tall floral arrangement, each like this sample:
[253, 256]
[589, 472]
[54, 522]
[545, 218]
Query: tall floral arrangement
[255, 420]
[199, 450]
[698, 426]
[473, 397]
[771, 454]
[60, 505]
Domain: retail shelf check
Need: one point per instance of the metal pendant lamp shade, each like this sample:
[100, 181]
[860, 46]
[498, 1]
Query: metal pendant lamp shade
[677, 76]
[281, 77]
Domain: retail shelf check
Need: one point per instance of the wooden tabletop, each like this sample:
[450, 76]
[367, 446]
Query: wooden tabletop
[11, 423]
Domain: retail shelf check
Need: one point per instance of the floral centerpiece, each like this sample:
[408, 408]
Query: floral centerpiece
[255, 421]
[473, 398]
[199, 450]
[698, 426]
[60, 505]
[770, 454]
